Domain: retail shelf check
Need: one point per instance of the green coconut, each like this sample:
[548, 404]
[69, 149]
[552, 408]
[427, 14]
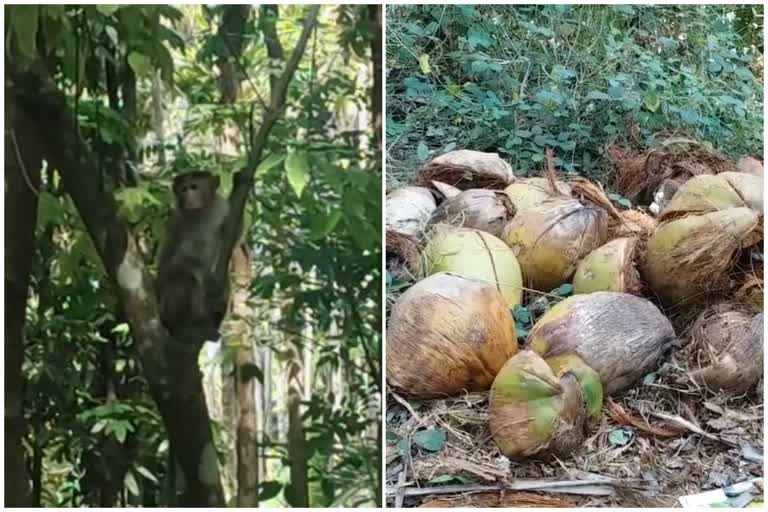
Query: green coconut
[551, 238]
[609, 268]
[485, 210]
[688, 258]
[530, 192]
[478, 255]
[538, 410]
[620, 336]
[448, 334]
[707, 193]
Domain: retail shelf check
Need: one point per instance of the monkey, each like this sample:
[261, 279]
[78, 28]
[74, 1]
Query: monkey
[192, 299]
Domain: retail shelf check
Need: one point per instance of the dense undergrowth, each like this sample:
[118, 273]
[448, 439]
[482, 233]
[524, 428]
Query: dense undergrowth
[516, 79]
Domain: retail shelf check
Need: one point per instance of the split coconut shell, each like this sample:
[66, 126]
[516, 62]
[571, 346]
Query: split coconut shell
[408, 210]
[477, 255]
[703, 194]
[448, 334]
[486, 210]
[688, 258]
[610, 268]
[727, 349]
[551, 238]
[620, 336]
[531, 192]
[467, 169]
[539, 409]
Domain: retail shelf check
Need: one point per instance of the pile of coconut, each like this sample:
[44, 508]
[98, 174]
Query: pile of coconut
[531, 303]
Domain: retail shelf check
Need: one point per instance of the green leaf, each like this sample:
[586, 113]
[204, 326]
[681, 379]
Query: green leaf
[297, 171]
[626, 203]
[442, 479]
[131, 484]
[478, 38]
[140, 64]
[430, 440]
[269, 163]
[564, 290]
[323, 225]
[146, 473]
[620, 436]
[652, 101]
[521, 314]
[614, 197]
[479, 66]
[597, 95]
[107, 10]
[422, 152]
[269, 489]
[649, 378]
[404, 447]
[25, 26]
[424, 63]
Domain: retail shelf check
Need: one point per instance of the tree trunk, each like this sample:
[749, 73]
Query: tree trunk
[22, 187]
[374, 13]
[297, 449]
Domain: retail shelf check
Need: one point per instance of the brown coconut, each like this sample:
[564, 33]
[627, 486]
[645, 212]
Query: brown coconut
[467, 169]
[750, 165]
[703, 194]
[632, 223]
[550, 239]
[610, 268]
[688, 258]
[486, 210]
[540, 409]
[447, 335]
[726, 348]
[620, 336]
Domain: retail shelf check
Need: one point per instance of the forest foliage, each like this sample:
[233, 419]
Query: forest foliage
[516, 79]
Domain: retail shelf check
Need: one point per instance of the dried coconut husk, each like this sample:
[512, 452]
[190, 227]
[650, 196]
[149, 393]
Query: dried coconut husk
[620, 336]
[751, 292]
[535, 410]
[639, 175]
[631, 223]
[445, 190]
[550, 239]
[610, 268]
[448, 334]
[408, 210]
[477, 255]
[688, 258]
[726, 348]
[750, 165]
[467, 169]
[486, 210]
[702, 194]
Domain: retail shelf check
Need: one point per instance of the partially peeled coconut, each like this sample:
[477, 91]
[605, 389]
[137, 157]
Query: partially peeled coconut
[707, 193]
[530, 192]
[631, 223]
[610, 268]
[551, 238]
[620, 336]
[448, 334]
[467, 169]
[727, 349]
[688, 258]
[750, 165]
[478, 255]
[486, 210]
[408, 210]
[538, 408]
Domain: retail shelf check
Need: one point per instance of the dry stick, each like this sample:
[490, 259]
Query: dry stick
[601, 486]
[683, 423]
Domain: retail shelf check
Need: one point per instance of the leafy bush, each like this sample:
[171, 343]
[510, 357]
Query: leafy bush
[515, 79]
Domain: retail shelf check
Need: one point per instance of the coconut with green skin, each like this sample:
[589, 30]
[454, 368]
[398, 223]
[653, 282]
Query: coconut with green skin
[537, 409]
[550, 239]
[687, 258]
[530, 192]
[478, 255]
[448, 334]
[620, 336]
[707, 193]
[610, 267]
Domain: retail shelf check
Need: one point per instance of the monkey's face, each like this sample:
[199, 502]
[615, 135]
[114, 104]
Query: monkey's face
[194, 194]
